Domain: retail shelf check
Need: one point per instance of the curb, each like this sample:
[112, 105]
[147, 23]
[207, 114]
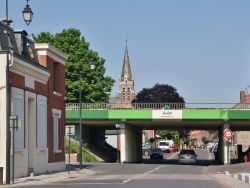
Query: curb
[244, 177]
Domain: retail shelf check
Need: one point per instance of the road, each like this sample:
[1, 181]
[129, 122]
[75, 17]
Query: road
[156, 173]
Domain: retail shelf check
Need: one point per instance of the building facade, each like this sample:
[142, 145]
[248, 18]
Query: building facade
[36, 93]
[242, 137]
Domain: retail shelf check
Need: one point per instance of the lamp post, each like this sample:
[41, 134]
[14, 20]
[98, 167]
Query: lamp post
[92, 66]
[27, 13]
[117, 125]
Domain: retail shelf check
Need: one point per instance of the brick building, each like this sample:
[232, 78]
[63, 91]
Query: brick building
[36, 99]
[242, 137]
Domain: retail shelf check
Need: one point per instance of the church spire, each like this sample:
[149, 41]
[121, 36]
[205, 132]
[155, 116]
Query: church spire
[126, 70]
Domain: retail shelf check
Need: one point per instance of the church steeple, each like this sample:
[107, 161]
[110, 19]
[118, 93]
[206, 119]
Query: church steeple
[126, 70]
[126, 90]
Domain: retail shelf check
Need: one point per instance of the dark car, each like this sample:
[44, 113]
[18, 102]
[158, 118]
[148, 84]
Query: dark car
[156, 153]
[187, 156]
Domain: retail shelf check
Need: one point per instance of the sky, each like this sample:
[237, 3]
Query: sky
[200, 47]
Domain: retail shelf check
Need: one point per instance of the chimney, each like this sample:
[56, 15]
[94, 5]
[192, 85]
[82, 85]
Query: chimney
[242, 96]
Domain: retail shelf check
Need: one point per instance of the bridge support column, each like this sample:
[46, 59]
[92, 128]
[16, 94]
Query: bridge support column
[130, 144]
[226, 145]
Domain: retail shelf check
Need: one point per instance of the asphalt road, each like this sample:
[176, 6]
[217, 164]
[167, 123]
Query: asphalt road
[154, 173]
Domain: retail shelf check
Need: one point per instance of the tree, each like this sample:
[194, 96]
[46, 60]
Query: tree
[166, 134]
[161, 93]
[94, 85]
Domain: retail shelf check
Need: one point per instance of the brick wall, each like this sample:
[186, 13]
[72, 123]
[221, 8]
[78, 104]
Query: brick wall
[56, 83]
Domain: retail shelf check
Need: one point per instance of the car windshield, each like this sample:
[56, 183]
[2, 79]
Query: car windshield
[163, 143]
[187, 152]
[156, 150]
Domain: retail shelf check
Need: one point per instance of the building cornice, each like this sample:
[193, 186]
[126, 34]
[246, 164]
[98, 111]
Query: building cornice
[51, 51]
[23, 68]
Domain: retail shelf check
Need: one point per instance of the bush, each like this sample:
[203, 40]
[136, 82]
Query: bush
[74, 148]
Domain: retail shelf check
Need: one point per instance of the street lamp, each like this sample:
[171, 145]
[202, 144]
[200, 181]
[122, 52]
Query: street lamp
[92, 66]
[117, 125]
[27, 14]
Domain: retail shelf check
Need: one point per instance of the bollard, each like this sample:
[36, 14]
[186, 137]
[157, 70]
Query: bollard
[245, 158]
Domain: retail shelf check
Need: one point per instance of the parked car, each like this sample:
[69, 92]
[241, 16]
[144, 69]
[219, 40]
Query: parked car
[146, 149]
[164, 145]
[187, 156]
[174, 148]
[156, 153]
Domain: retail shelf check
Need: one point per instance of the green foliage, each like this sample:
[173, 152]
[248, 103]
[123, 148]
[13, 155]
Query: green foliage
[74, 148]
[203, 139]
[94, 85]
[151, 140]
[87, 157]
[159, 93]
[169, 134]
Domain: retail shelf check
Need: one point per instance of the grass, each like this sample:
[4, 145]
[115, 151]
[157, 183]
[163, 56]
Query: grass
[74, 148]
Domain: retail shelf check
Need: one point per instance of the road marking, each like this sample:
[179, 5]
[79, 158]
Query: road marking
[154, 169]
[126, 181]
[173, 155]
[149, 171]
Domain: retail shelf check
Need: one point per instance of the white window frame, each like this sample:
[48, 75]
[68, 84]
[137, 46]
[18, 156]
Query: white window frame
[56, 115]
[42, 124]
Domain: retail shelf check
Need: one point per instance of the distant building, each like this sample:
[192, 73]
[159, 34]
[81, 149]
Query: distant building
[197, 135]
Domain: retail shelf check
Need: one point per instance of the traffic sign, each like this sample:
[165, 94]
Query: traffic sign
[227, 134]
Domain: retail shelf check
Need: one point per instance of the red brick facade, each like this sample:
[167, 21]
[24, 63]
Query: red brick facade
[56, 84]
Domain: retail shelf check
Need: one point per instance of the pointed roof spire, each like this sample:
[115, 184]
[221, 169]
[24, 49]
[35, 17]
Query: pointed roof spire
[126, 70]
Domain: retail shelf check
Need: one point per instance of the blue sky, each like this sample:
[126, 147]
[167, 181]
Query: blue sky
[200, 47]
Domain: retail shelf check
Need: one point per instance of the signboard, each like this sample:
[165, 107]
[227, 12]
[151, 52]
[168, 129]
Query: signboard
[15, 122]
[70, 130]
[167, 114]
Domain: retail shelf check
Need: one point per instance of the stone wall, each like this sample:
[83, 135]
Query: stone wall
[243, 139]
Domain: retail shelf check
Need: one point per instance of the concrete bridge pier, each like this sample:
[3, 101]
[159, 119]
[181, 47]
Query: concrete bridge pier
[130, 144]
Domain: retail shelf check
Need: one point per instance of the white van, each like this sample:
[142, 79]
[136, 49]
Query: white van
[164, 145]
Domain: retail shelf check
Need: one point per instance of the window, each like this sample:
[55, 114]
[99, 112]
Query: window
[30, 51]
[42, 125]
[123, 89]
[56, 116]
[55, 132]
[128, 90]
[18, 110]
[10, 44]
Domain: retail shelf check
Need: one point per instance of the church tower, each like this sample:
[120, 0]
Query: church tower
[126, 93]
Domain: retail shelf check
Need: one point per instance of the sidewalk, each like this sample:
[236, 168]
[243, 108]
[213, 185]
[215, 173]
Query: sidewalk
[233, 175]
[50, 177]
